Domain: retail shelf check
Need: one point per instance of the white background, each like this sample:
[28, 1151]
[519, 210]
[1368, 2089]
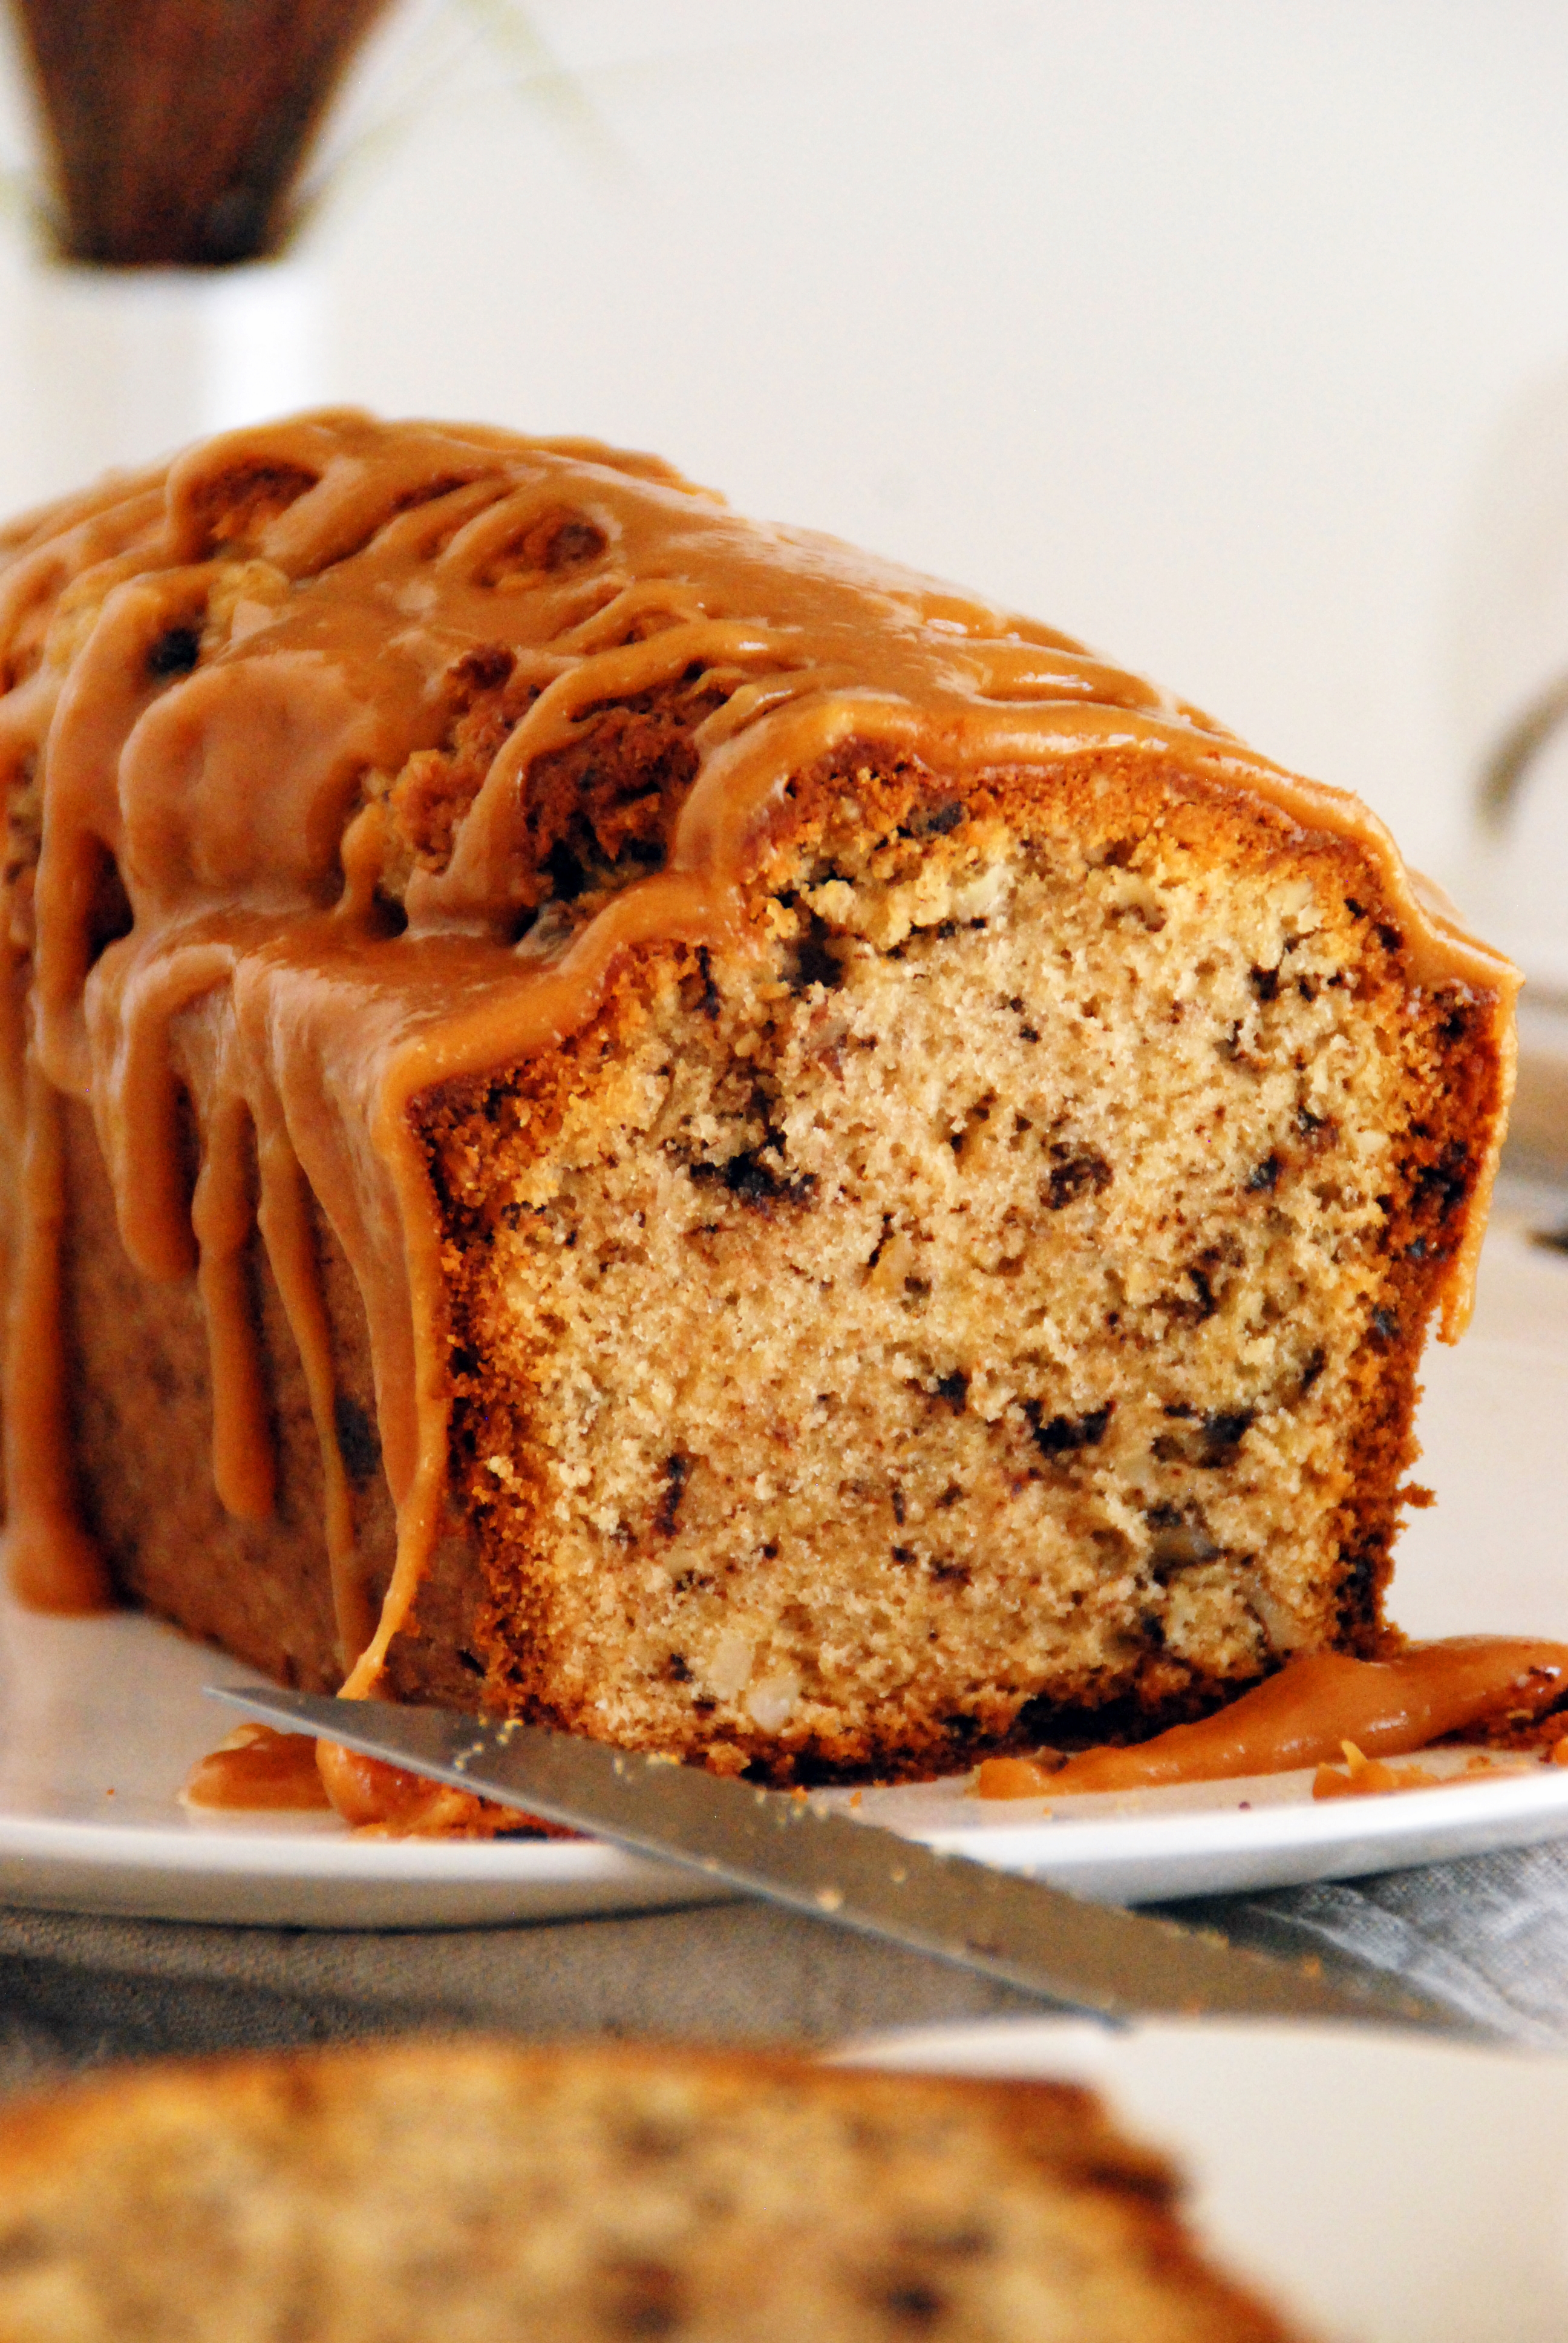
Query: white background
[1189, 325]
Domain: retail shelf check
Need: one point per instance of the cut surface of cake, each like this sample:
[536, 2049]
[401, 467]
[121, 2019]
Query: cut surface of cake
[723, 1145]
[483, 2191]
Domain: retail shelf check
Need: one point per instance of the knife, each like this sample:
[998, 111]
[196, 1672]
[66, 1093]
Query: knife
[799, 1852]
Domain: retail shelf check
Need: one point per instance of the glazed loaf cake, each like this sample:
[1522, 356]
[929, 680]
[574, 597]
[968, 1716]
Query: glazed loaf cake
[725, 1146]
[500, 2194]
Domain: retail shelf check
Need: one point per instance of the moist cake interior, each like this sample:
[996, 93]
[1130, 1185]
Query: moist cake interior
[989, 1292]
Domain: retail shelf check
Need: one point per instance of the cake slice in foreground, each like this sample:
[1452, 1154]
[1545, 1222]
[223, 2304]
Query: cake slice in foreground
[486, 2191]
[726, 1147]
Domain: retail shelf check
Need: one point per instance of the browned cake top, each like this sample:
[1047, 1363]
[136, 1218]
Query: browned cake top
[388, 591]
[358, 754]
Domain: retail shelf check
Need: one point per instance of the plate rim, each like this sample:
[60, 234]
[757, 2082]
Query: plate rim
[1090, 1855]
[1297, 1823]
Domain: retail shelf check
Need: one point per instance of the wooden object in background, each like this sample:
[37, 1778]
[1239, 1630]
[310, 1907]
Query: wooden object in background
[178, 126]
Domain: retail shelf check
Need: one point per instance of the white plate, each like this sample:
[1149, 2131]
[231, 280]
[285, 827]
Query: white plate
[1376, 2188]
[100, 1719]
[100, 1722]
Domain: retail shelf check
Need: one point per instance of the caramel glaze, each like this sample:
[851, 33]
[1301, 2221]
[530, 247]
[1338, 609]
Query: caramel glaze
[257, 1769]
[251, 976]
[1304, 1715]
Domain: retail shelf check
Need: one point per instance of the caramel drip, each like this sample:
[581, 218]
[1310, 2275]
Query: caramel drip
[1304, 1716]
[242, 1465]
[334, 575]
[55, 1564]
[255, 1770]
[372, 1796]
[389, 1802]
[259, 1770]
[284, 1215]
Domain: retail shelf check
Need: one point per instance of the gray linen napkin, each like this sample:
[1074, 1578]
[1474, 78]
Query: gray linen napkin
[1488, 1935]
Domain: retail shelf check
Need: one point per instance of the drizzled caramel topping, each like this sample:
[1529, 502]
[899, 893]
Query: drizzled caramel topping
[258, 1770]
[1309, 1712]
[303, 719]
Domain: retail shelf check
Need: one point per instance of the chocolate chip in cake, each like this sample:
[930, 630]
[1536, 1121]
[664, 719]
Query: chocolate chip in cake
[1222, 1434]
[815, 962]
[1059, 1435]
[914, 2303]
[176, 652]
[1210, 1446]
[1075, 1171]
[358, 1439]
[1442, 1185]
[567, 873]
[677, 1472]
[746, 1176]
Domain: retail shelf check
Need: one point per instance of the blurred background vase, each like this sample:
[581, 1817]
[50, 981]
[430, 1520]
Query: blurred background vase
[165, 295]
[117, 366]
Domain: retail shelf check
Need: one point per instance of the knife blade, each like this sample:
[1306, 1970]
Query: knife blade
[801, 1853]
